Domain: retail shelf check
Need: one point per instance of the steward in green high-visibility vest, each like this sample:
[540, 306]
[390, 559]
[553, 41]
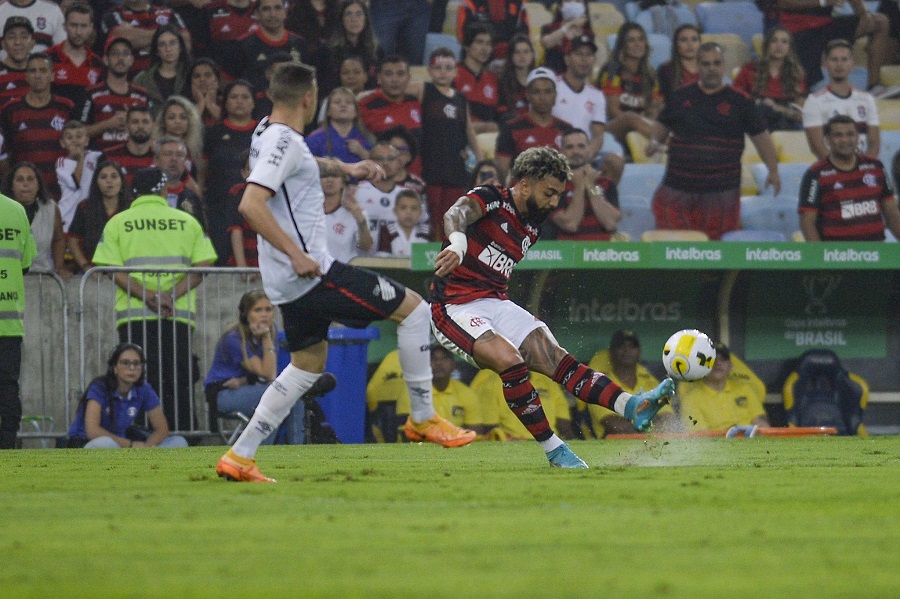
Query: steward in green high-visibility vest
[156, 310]
[17, 250]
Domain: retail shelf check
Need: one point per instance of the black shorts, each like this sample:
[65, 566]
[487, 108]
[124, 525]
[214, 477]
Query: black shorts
[349, 295]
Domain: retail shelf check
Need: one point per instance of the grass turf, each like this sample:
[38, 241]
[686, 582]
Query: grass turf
[815, 517]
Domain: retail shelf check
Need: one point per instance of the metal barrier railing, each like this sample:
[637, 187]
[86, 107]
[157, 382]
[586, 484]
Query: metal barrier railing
[45, 369]
[216, 294]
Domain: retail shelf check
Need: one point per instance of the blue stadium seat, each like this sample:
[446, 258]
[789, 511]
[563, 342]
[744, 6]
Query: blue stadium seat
[660, 48]
[890, 145]
[636, 188]
[741, 18]
[665, 19]
[631, 10]
[790, 173]
[754, 235]
[433, 41]
[768, 213]
[859, 78]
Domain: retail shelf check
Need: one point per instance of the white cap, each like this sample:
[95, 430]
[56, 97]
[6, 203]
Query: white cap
[541, 73]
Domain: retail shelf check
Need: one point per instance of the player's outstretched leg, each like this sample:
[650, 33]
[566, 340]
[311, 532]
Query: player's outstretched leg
[413, 344]
[642, 407]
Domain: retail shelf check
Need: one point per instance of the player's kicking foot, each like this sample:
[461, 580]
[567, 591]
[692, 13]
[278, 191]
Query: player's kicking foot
[563, 457]
[642, 407]
[235, 468]
[438, 430]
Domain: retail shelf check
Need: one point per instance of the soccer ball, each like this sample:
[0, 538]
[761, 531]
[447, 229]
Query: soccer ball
[688, 355]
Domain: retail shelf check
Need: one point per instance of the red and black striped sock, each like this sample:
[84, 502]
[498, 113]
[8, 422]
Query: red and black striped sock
[523, 400]
[586, 384]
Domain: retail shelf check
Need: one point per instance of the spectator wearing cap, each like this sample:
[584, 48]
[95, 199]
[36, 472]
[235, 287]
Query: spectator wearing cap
[18, 43]
[31, 125]
[45, 17]
[621, 363]
[630, 85]
[537, 127]
[730, 395]
[106, 107]
[75, 66]
[137, 21]
[571, 20]
[583, 105]
[475, 81]
[157, 312]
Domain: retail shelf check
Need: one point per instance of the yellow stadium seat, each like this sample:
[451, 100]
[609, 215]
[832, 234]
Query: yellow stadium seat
[419, 73]
[860, 51]
[605, 19]
[757, 44]
[538, 16]
[798, 236]
[748, 181]
[736, 51]
[674, 235]
[450, 16]
[488, 144]
[888, 114]
[637, 145]
[792, 147]
[890, 74]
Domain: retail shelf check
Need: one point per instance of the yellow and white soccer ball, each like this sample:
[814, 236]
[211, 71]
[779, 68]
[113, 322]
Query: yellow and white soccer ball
[688, 355]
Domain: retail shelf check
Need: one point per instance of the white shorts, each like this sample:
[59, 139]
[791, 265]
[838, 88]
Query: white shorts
[457, 326]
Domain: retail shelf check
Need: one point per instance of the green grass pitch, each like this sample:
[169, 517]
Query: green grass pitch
[761, 518]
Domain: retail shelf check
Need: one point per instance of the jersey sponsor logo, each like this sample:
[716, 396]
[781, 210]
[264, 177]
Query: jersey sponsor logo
[851, 210]
[22, 127]
[530, 140]
[62, 74]
[388, 120]
[281, 147]
[505, 227]
[384, 290]
[838, 185]
[493, 206]
[497, 259]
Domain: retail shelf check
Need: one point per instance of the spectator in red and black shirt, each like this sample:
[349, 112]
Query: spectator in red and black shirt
[537, 127]
[31, 125]
[518, 63]
[224, 23]
[390, 106]
[254, 51]
[137, 151]
[570, 20]
[707, 121]
[75, 66]
[589, 208]
[846, 195]
[477, 84]
[106, 106]
[137, 21]
[18, 43]
[507, 17]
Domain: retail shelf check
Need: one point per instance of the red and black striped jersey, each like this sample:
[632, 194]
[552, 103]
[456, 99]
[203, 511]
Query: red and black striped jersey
[708, 137]
[149, 20]
[227, 23]
[496, 242]
[130, 162]
[236, 222]
[12, 84]
[380, 114]
[590, 228]
[482, 92]
[522, 133]
[32, 133]
[103, 103]
[254, 52]
[70, 80]
[848, 203]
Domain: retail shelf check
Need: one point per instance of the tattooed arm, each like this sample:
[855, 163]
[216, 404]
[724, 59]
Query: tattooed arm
[457, 218]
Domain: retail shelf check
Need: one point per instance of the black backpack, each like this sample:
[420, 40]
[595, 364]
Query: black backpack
[821, 392]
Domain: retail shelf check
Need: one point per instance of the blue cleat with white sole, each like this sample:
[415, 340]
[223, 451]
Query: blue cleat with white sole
[642, 407]
[563, 457]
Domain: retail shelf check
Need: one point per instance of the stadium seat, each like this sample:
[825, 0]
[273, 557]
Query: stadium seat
[538, 16]
[890, 74]
[433, 41]
[611, 145]
[419, 73]
[450, 16]
[859, 78]
[792, 146]
[736, 51]
[605, 18]
[757, 44]
[636, 188]
[768, 213]
[741, 18]
[631, 10]
[665, 19]
[488, 143]
[790, 174]
[674, 235]
[660, 49]
[888, 114]
[754, 235]
[637, 145]
[821, 392]
[890, 145]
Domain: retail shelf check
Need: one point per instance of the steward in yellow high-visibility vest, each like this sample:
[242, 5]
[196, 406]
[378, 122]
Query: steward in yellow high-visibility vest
[156, 310]
[17, 250]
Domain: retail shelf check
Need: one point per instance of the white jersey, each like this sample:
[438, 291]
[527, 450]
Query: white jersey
[859, 105]
[579, 109]
[46, 18]
[281, 162]
[73, 193]
[342, 233]
[377, 204]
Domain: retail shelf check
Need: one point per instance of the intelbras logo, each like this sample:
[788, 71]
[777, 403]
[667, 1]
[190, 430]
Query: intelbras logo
[851, 256]
[611, 255]
[772, 255]
[693, 254]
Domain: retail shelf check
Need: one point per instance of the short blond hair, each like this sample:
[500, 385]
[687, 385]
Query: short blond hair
[290, 81]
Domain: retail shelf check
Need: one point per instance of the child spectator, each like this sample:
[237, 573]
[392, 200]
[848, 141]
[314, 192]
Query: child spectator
[107, 196]
[75, 171]
[346, 224]
[396, 238]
